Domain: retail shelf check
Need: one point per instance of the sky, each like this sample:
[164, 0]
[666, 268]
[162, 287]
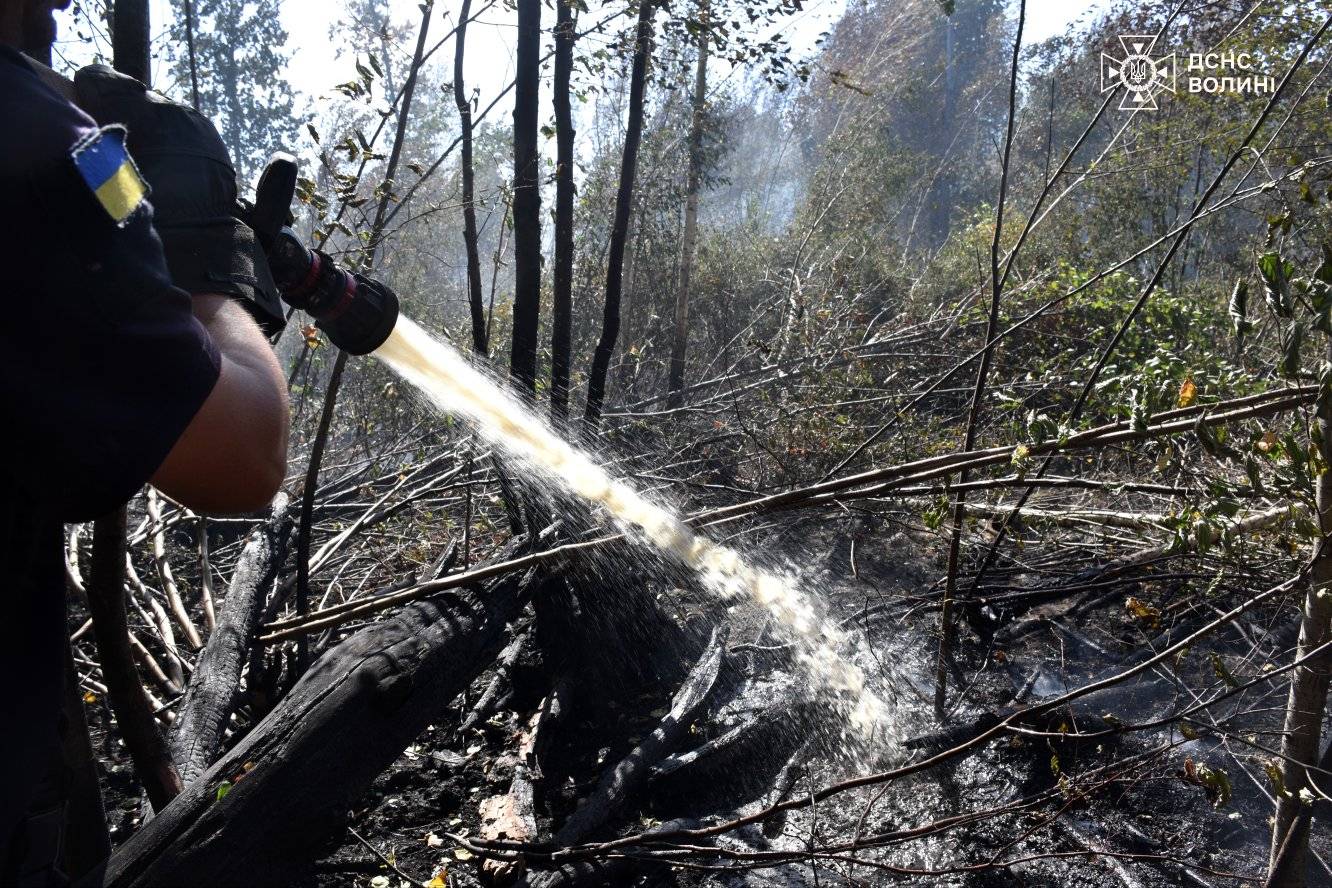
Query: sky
[315, 66]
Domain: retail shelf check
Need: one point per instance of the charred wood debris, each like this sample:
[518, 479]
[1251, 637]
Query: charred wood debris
[557, 706]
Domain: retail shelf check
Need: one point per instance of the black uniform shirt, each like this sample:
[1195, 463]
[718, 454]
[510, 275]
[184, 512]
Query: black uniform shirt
[102, 366]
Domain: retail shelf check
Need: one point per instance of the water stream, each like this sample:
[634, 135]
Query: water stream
[452, 384]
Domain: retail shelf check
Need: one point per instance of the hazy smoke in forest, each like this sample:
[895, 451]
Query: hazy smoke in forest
[445, 376]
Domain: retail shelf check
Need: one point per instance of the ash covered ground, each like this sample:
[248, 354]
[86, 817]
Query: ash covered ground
[1034, 805]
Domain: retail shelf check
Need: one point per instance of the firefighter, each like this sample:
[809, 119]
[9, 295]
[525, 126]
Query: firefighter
[133, 351]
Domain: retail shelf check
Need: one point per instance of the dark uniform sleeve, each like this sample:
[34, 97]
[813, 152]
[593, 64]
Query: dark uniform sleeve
[102, 362]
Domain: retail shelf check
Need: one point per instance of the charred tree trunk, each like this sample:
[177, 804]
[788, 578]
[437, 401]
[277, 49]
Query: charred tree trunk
[1308, 698]
[289, 784]
[680, 337]
[624, 199]
[479, 339]
[526, 199]
[561, 316]
[130, 39]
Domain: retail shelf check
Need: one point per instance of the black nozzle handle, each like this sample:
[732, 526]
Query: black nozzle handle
[356, 312]
[273, 197]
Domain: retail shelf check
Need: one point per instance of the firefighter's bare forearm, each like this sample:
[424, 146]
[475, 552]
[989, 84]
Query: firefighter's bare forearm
[232, 456]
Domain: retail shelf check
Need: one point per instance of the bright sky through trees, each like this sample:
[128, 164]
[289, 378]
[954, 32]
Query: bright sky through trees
[316, 65]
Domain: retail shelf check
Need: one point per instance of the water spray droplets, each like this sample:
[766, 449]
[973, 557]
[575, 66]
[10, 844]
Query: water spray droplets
[451, 383]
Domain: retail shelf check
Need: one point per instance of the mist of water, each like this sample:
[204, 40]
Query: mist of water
[445, 376]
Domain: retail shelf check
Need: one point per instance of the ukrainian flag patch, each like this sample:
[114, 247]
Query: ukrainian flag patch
[109, 172]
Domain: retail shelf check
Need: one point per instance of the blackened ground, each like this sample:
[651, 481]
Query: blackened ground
[1151, 819]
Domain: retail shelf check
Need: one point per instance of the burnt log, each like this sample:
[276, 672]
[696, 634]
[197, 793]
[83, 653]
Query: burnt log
[279, 799]
[209, 700]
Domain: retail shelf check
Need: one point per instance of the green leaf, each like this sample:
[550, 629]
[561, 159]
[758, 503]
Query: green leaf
[1222, 672]
[1040, 427]
[1217, 784]
[1274, 775]
[1290, 350]
[1210, 440]
[1140, 413]
[222, 789]
[1276, 274]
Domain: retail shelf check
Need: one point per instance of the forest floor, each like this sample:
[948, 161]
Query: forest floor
[1147, 813]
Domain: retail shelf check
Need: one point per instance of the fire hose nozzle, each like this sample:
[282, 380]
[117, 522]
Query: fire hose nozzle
[356, 312]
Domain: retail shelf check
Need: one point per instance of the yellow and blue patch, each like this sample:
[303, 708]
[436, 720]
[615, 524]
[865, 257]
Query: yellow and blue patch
[107, 169]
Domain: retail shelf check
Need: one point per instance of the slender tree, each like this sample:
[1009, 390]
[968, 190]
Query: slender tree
[191, 58]
[688, 242]
[131, 40]
[562, 304]
[478, 313]
[945, 652]
[526, 198]
[373, 242]
[610, 323]
[1308, 695]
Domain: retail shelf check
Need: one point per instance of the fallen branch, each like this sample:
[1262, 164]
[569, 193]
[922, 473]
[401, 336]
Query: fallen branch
[491, 696]
[129, 699]
[620, 782]
[165, 574]
[203, 714]
[876, 482]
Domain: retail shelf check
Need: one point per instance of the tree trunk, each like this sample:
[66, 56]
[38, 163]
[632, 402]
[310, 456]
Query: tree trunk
[526, 199]
[610, 323]
[680, 337]
[1308, 697]
[479, 341]
[562, 308]
[399, 136]
[189, 49]
[304, 528]
[130, 39]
